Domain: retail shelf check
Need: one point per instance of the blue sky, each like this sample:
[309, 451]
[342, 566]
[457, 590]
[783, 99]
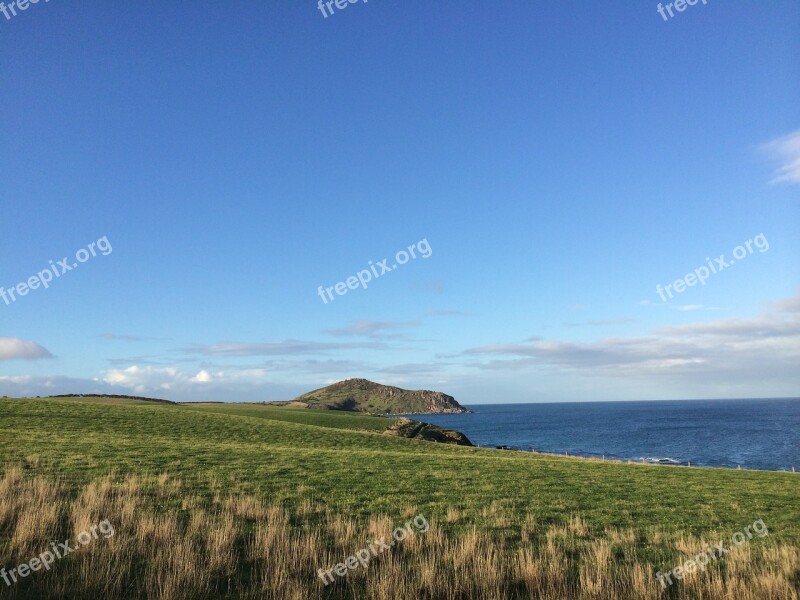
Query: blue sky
[560, 159]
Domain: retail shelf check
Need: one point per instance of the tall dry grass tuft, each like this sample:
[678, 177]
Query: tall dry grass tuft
[32, 507]
[378, 527]
[578, 526]
[90, 505]
[246, 507]
[220, 545]
[625, 537]
[595, 572]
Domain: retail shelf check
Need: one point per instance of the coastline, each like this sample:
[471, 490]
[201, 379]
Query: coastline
[629, 461]
[701, 433]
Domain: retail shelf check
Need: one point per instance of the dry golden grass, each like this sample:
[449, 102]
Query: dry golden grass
[172, 546]
[453, 515]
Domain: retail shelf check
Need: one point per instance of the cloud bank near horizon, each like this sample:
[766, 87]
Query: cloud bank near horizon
[744, 357]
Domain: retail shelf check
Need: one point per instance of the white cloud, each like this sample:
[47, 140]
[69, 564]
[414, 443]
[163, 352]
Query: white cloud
[786, 151]
[285, 348]
[202, 377]
[757, 353]
[239, 385]
[147, 379]
[373, 329]
[603, 322]
[317, 367]
[17, 349]
[693, 307]
[130, 338]
[141, 379]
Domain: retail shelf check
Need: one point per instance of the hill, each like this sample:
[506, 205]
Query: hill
[363, 395]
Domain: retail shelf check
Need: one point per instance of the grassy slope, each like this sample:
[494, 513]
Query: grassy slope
[289, 455]
[335, 419]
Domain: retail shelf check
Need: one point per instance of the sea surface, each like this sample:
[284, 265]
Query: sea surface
[756, 434]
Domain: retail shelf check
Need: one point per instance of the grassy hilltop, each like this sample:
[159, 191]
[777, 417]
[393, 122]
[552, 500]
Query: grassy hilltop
[249, 501]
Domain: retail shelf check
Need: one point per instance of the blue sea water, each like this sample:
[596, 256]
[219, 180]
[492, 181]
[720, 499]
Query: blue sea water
[756, 434]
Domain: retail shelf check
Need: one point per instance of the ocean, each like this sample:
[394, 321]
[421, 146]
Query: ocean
[753, 434]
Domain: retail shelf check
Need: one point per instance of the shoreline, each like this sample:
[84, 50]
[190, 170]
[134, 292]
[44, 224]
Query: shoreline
[630, 461]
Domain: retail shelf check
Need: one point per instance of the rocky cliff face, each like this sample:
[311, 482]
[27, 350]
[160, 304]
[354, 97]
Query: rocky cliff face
[368, 396]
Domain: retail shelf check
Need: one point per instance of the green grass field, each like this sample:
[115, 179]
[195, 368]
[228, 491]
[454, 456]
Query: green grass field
[296, 458]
